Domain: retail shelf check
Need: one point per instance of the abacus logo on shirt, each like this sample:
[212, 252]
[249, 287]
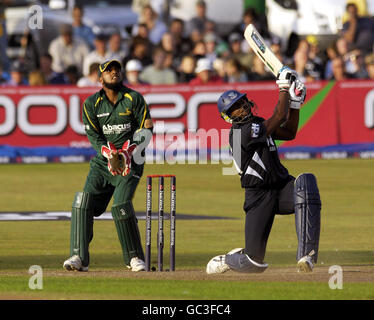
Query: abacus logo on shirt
[116, 128]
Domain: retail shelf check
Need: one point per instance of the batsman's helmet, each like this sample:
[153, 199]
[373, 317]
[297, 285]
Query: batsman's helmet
[227, 100]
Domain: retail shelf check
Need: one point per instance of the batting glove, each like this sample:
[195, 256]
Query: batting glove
[285, 77]
[297, 94]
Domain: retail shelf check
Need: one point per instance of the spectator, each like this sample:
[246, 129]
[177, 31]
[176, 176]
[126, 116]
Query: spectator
[133, 69]
[116, 51]
[66, 50]
[30, 53]
[4, 60]
[140, 51]
[199, 50]
[369, 62]
[4, 76]
[204, 73]
[358, 62]
[223, 50]
[245, 58]
[17, 74]
[210, 27]
[315, 58]
[250, 16]
[304, 65]
[99, 55]
[276, 48]
[80, 30]
[183, 45]
[343, 51]
[338, 69]
[332, 53]
[234, 71]
[358, 31]
[155, 26]
[172, 56]
[259, 71]
[72, 75]
[159, 6]
[92, 80]
[157, 73]
[219, 68]
[195, 37]
[36, 78]
[50, 76]
[210, 40]
[199, 21]
[186, 69]
[142, 31]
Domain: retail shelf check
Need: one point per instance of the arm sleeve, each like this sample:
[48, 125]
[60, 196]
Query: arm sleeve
[92, 127]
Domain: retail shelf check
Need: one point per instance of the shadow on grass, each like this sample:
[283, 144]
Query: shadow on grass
[190, 260]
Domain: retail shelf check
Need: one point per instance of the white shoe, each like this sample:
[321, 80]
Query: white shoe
[74, 263]
[305, 264]
[217, 265]
[137, 264]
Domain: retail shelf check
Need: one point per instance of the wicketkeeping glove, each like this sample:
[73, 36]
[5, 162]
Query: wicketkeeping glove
[297, 94]
[126, 153]
[119, 161]
[115, 160]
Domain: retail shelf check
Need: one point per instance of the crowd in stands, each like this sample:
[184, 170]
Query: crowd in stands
[171, 51]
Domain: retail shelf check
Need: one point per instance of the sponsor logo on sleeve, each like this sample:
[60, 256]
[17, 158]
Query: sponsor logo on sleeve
[255, 130]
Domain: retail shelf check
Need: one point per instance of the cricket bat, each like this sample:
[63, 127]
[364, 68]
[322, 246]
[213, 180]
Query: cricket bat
[258, 45]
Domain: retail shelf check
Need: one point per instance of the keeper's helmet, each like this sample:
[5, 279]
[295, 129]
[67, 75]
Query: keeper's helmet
[231, 100]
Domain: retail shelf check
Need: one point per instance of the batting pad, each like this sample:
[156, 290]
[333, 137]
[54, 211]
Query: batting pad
[307, 215]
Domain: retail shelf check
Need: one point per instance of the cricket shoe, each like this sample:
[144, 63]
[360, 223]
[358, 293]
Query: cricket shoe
[137, 264]
[74, 263]
[236, 250]
[305, 264]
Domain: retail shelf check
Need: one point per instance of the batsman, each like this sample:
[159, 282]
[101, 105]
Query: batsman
[117, 122]
[268, 187]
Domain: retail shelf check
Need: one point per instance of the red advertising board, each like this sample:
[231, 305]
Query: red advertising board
[45, 116]
[355, 100]
[51, 116]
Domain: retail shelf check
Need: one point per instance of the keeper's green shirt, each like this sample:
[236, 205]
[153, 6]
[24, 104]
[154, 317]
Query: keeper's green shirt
[104, 122]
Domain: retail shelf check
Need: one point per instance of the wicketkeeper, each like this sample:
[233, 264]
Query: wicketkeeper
[269, 188]
[117, 122]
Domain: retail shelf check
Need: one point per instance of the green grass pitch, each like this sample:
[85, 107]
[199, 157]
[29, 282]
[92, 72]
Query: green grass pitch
[346, 188]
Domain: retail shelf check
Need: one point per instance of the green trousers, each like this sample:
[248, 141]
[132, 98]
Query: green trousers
[100, 187]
